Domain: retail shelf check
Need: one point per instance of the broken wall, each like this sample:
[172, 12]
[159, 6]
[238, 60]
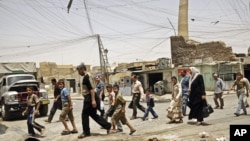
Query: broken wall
[187, 53]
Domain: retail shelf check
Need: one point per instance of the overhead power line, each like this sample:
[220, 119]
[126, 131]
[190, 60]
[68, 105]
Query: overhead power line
[89, 21]
[69, 5]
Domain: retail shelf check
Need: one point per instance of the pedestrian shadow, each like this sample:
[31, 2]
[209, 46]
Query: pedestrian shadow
[36, 138]
[99, 134]
[139, 117]
[58, 121]
[194, 123]
[3, 128]
[32, 139]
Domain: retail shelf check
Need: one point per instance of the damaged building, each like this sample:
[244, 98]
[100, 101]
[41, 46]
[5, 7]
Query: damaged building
[211, 57]
[191, 52]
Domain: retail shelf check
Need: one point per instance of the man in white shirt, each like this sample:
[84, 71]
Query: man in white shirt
[137, 91]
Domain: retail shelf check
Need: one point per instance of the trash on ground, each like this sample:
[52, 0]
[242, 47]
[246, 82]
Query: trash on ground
[221, 139]
[203, 134]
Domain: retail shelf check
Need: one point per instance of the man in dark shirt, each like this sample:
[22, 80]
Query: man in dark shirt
[90, 103]
[57, 101]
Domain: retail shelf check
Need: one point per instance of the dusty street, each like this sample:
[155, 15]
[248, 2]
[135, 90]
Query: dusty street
[217, 125]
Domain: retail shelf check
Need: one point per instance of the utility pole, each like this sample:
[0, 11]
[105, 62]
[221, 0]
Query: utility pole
[104, 64]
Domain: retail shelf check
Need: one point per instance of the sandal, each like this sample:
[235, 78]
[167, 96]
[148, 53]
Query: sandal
[65, 132]
[113, 131]
[74, 131]
[132, 132]
[198, 123]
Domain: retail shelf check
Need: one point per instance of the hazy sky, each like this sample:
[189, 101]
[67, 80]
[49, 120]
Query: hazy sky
[132, 30]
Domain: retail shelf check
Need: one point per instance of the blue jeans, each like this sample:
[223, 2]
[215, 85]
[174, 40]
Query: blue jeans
[185, 97]
[31, 122]
[241, 104]
[151, 110]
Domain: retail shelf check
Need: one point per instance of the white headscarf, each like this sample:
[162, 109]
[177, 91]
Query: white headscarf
[195, 73]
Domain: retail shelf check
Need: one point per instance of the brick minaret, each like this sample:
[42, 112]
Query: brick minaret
[183, 19]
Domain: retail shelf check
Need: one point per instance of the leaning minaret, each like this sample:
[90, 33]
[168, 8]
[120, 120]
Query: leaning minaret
[183, 19]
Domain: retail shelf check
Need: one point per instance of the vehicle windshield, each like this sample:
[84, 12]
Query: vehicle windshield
[14, 79]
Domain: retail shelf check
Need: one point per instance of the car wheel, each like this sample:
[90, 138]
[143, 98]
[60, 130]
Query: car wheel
[5, 113]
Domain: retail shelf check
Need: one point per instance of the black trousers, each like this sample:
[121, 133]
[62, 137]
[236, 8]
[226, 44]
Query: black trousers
[87, 111]
[56, 105]
[136, 104]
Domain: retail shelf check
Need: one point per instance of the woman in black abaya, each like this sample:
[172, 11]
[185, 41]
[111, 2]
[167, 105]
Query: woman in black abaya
[197, 95]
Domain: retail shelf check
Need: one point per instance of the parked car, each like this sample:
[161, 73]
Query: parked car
[14, 96]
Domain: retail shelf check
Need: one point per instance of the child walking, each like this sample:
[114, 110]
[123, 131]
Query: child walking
[32, 110]
[67, 110]
[150, 105]
[110, 111]
[174, 108]
[119, 113]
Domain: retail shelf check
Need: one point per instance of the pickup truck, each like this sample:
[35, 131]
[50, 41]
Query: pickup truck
[13, 95]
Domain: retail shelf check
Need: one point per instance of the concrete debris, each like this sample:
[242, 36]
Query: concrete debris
[221, 139]
[153, 139]
[203, 134]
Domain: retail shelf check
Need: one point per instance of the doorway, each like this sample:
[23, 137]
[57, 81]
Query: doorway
[72, 85]
[153, 78]
[247, 71]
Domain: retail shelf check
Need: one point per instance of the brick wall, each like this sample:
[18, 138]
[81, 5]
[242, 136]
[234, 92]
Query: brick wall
[185, 53]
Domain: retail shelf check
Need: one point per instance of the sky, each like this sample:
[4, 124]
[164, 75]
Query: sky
[131, 30]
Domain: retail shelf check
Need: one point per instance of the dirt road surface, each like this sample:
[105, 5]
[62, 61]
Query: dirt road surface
[216, 126]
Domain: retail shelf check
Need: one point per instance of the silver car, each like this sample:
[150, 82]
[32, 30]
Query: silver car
[14, 96]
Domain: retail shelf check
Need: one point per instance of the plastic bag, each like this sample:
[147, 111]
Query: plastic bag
[102, 105]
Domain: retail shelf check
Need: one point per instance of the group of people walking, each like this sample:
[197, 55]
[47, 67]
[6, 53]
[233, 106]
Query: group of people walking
[189, 92]
[240, 86]
[62, 101]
